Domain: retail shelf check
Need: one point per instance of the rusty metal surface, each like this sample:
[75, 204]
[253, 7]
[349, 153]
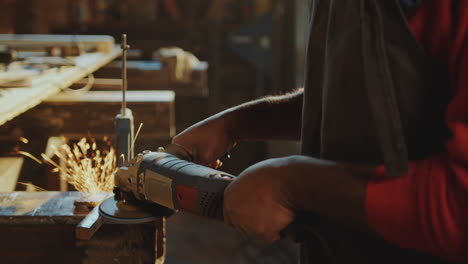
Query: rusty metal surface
[40, 208]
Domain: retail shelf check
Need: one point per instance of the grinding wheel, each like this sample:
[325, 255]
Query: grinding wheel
[131, 212]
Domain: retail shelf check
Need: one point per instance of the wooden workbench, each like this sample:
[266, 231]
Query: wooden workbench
[39, 227]
[15, 101]
[39, 207]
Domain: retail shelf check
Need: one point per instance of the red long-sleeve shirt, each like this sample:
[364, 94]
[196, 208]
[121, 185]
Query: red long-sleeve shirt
[427, 209]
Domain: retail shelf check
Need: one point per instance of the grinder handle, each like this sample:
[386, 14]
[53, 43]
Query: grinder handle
[194, 188]
[182, 185]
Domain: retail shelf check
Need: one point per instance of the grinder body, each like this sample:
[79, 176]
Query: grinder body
[167, 180]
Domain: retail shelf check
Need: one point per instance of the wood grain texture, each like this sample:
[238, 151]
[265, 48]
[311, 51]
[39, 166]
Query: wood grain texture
[100, 43]
[15, 101]
[93, 113]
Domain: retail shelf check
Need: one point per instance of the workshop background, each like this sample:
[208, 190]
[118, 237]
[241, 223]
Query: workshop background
[238, 50]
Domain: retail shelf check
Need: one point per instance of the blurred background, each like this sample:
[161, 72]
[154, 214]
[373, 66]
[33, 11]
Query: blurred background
[239, 50]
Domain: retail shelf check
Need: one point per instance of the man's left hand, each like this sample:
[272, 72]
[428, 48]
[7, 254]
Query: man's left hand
[255, 203]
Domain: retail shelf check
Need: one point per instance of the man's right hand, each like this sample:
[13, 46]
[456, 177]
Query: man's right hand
[277, 117]
[207, 141]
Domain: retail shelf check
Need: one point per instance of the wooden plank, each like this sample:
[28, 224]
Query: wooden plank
[10, 168]
[89, 225]
[93, 113]
[113, 97]
[102, 83]
[101, 43]
[15, 101]
[86, 229]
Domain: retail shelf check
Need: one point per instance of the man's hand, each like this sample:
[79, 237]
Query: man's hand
[263, 200]
[276, 117]
[255, 202]
[208, 140]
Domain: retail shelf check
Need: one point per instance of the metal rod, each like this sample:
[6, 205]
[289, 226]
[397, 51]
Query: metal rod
[86, 229]
[125, 47]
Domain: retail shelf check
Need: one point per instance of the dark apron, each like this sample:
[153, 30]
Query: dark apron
[372, 96]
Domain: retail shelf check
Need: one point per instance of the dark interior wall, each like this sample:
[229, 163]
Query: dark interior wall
[203, 29]
[302, 16]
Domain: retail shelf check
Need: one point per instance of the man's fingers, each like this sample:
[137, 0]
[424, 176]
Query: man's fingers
[227, 217]
[267, 237]
[204, 158]
[270, 238]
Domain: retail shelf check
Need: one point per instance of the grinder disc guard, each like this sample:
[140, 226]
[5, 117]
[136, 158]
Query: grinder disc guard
[131, 211]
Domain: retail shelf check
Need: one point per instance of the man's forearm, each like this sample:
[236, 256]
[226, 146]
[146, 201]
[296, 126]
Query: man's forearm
[332, 190]
[275, 117]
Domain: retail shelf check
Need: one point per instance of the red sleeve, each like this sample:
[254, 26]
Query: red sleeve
[427, 209]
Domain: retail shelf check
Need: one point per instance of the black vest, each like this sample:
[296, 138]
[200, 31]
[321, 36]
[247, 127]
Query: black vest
[372, 94]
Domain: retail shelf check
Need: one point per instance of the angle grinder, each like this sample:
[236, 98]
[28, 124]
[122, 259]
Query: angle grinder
[156, 184]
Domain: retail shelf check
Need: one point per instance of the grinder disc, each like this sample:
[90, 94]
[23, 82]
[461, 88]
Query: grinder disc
[131, 212]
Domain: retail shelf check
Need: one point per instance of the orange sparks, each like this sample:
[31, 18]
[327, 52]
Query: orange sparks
[86, 167]
[136, 136]
[32, 187]
[83, 165]
[24, 153]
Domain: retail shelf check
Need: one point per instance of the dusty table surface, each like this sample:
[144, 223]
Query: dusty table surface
[42, 207]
